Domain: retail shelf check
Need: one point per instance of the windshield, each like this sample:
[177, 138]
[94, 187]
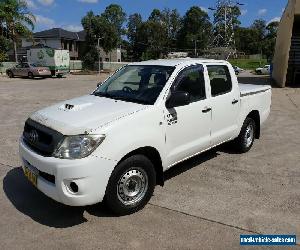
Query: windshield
[139, 84]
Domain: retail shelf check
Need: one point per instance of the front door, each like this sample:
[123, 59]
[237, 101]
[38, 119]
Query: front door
[25, 69]
[188, 127]
[18, 70]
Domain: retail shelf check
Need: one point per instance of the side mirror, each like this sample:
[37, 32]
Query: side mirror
[177, 99]
[98, 84]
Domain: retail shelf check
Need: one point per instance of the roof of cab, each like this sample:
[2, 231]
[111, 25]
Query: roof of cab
[176, 62]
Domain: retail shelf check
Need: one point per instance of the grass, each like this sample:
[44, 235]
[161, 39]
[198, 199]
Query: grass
[250, 64]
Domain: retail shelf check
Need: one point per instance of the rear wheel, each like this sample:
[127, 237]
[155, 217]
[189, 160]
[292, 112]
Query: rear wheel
[10, 74]
[131, 185]
[30, 75]
[245, 140]
[59, 76]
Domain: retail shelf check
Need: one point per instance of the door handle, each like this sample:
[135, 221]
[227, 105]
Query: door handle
[206, 110]
[235, 101]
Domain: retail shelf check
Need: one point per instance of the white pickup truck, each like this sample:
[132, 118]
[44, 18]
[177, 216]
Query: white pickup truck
[115, 144]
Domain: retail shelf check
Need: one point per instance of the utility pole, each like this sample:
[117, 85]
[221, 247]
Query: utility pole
[99, 54]
[224, 36]
[196, 47]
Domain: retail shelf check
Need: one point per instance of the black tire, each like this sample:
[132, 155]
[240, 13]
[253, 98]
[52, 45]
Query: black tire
[245, 140]
[59, 76]
[10, 74]
[259, 72]
[136, 166]
[30, 75]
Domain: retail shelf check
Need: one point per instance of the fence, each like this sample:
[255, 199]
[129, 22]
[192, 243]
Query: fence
[74, 66]
[6, 65]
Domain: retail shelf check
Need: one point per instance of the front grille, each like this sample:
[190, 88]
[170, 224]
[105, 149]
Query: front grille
[48, 177]
[41, 139]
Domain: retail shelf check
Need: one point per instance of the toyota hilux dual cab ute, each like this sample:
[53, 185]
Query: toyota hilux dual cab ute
[115, 144]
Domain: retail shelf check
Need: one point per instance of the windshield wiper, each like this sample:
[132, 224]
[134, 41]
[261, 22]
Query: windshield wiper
[102, 94]
[128, 99]
[121, 98]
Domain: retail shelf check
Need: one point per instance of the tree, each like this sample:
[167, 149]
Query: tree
[114, 16]
[17, 19]
[105, 29]
[270, 39]
[259, 28]
[5, 46]
[196, 29]
[173, 23]
[134, 35]
[246, 40]
[259, 38]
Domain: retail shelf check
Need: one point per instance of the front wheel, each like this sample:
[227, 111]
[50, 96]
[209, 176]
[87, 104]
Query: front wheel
[131, 185]
[10, 74]
[30, 75]
[245, 140]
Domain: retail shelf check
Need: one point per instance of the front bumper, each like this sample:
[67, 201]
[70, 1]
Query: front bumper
[91, 175]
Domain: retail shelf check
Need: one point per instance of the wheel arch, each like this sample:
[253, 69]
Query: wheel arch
[154, 156]
[254, 114]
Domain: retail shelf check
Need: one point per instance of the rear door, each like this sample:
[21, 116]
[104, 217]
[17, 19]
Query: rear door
[188, 127]
[224, 103]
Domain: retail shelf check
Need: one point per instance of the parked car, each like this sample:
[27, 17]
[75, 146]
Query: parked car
[264, 70]
[237, 70]
[116, 143]
[30, 70]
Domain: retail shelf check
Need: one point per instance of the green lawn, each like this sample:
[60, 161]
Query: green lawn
[248, 63]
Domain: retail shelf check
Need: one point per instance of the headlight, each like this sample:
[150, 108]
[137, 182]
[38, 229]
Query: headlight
[78, 146]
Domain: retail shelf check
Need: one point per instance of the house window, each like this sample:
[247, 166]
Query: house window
[106, 59]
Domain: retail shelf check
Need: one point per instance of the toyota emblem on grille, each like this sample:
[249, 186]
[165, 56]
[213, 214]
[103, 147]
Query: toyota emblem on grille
[33, 136]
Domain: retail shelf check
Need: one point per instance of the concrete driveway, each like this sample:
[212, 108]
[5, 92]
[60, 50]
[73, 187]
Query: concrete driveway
[206, 203]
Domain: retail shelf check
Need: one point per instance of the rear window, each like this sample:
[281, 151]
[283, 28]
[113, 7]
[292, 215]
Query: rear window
[220, 79]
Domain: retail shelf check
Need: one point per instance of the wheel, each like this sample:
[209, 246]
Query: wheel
[131, 185]
[245, 140]
[59, 76]
[30, 75]
[10, 74]
[259, 72]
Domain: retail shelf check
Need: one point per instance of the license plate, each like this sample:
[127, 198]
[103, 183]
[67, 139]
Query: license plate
[31, 176]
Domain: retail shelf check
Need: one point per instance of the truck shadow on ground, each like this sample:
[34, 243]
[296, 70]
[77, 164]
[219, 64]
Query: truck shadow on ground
[31, 202]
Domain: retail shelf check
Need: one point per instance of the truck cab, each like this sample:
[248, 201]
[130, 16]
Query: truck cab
[116, 143]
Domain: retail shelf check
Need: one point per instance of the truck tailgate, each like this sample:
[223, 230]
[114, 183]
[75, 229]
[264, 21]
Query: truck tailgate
[250, 89]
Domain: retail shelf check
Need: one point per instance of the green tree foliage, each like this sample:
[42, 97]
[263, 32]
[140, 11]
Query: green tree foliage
[5, 46]
[106, 28]
[195, 27]
[259, 38]
[135, 46]
[16, 20]
[165, 31]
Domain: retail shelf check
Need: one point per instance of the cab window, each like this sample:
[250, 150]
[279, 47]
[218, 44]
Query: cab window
[191, 80]
[220, 79]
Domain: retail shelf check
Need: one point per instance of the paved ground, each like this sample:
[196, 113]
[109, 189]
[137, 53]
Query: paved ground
[206, 203]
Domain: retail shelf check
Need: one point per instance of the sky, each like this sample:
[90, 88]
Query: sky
[67, 14]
